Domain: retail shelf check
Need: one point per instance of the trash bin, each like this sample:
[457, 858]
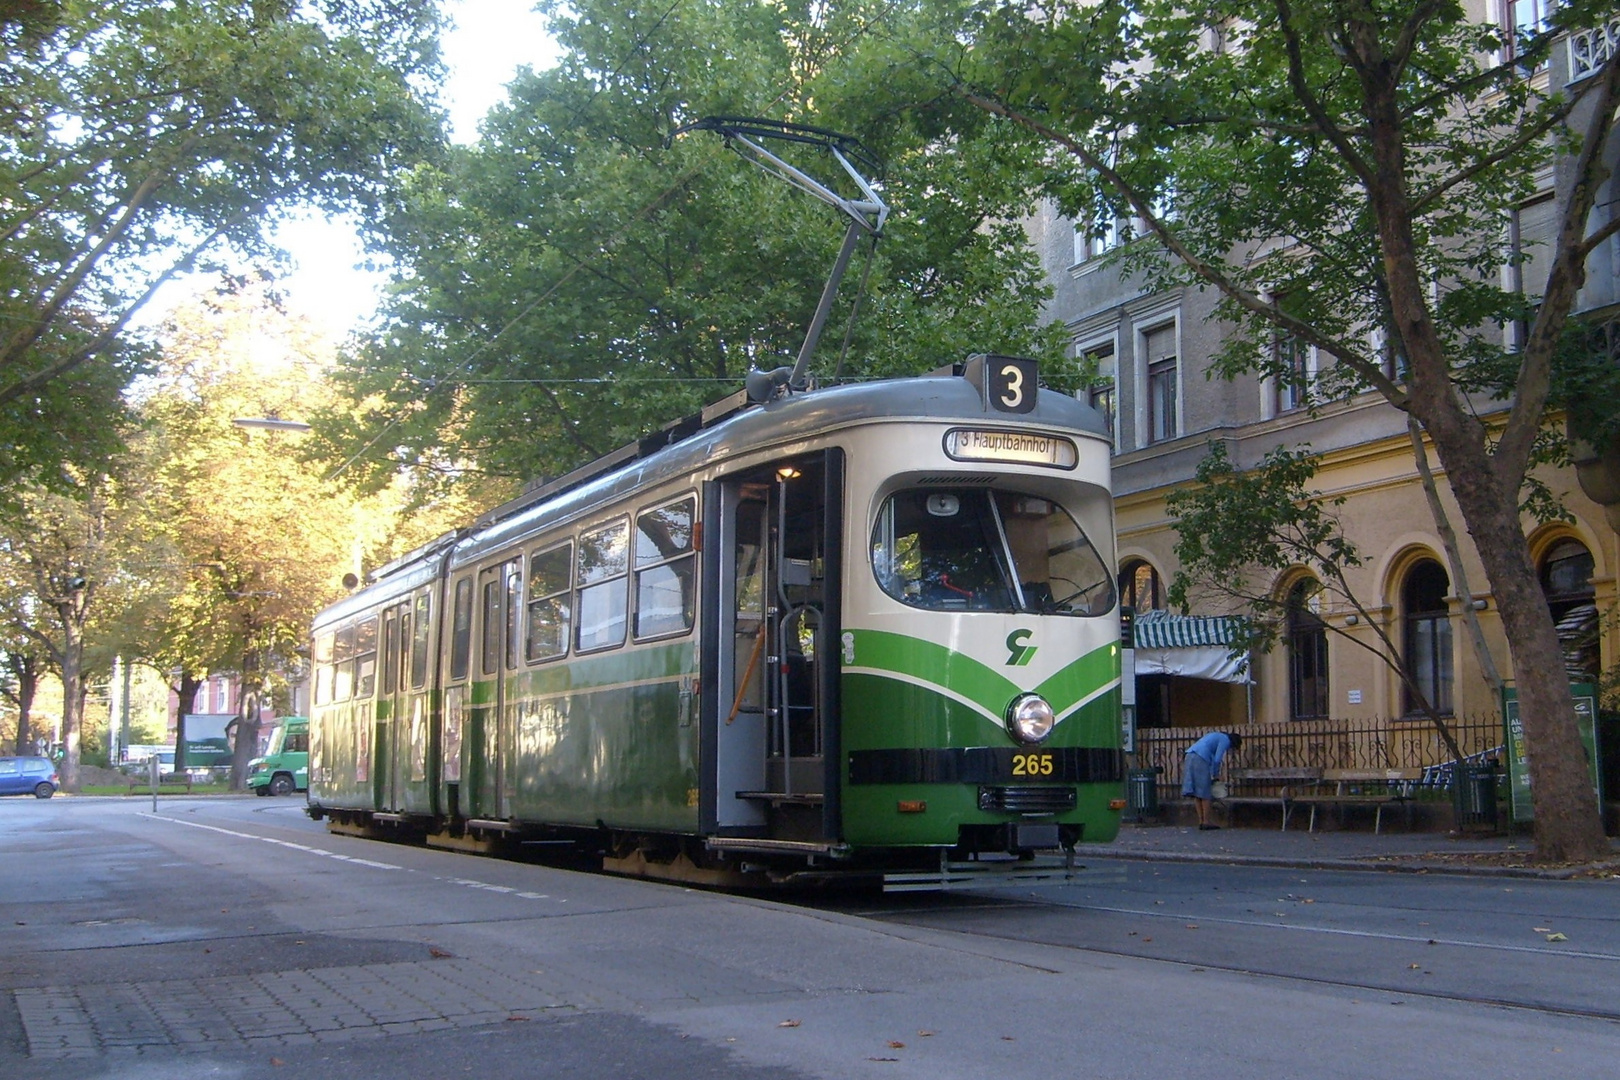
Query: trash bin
[1142, 793]
[1474, 795]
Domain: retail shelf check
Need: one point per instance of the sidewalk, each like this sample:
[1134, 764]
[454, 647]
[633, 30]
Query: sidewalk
[1418, 852]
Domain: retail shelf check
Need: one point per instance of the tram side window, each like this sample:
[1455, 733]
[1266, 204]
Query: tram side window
[491, 650]
[324, 671]
[604, 587]
[399, 655]
[461, 629]
[390, 652]
[550, 603]
[365, 658]
[514, 611]
[343, 654]
[948, 550]
[419, 642]
[665, 569]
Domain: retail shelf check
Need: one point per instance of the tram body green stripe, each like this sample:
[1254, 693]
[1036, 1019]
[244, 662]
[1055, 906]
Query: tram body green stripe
[977, 682]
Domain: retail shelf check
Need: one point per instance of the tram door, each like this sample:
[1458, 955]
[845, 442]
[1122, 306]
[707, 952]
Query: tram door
[774, 575]
[500, 600]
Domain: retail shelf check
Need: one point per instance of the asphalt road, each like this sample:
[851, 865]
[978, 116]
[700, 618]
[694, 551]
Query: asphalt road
[235, 938]
[1480, 939]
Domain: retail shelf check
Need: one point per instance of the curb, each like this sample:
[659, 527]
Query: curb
[1392, 864]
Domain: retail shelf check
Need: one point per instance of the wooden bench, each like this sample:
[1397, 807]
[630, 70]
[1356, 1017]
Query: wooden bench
[140, 780]
[1379, 788]
[1287, 781]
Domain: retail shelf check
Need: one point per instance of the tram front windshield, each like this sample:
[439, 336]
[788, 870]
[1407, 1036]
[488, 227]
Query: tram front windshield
[945, 549]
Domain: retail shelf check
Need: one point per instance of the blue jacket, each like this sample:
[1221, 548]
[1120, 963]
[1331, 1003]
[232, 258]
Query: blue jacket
[1212, 748]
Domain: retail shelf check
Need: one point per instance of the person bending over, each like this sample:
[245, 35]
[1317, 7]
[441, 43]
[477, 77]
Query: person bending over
[1203, 767]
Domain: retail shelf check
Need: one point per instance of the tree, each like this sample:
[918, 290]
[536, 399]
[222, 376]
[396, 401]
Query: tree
[63, 547]
[576, 279]
[1237, 531]
[255, 538]
[144, 139]
[1358, 162]
[19, 682]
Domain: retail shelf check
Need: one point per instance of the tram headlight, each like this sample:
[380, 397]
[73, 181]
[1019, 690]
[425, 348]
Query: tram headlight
[1030, 718]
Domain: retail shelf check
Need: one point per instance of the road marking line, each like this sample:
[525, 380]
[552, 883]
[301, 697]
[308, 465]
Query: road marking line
[280, 843]
[466, 883]
[1532, 949]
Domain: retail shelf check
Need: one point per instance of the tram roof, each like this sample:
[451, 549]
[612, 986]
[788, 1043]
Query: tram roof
[687, 446]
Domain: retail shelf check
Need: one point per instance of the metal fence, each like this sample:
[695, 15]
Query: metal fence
[1329, 744]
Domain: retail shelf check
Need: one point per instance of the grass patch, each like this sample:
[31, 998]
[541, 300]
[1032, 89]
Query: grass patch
[145, 788]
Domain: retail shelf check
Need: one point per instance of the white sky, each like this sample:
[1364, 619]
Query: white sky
[489, 41]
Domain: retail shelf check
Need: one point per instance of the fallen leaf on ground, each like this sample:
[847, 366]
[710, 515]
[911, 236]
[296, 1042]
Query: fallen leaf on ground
[1414, 967]
[1542, 929]
[1192, 926]
[896, 1044]
[440, 954]
[514, 1018]
[277, 1061]
[924, 1034]
[1557, 937]
[790, 1023]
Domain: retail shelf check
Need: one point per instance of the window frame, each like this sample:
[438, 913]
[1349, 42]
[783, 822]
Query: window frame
[1306, 626]
[582, 587]
[531, 600]
[688, 555]
[1160, 374]
[1441, 672]
[1130, 572]
[421, 638]
[462, 604]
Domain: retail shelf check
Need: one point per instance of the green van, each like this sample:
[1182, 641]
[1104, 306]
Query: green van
[284, 768]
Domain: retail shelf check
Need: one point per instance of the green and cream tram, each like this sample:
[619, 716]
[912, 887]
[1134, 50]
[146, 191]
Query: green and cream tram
[864, 628]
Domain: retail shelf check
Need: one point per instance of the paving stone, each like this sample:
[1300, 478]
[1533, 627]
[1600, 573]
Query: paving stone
[279, 1008]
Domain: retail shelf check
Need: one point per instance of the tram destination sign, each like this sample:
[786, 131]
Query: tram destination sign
[1020, 447]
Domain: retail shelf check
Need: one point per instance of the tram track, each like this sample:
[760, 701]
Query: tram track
[1036, 920]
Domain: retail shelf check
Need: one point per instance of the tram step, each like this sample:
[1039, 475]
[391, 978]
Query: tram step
[781, 798]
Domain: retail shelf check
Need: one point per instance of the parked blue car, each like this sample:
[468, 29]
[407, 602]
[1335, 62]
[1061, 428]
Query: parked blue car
[34, 776]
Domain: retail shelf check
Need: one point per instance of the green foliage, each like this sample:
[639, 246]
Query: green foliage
[143, 138]
[576, 279]
[1251, 121]
[1239, 531]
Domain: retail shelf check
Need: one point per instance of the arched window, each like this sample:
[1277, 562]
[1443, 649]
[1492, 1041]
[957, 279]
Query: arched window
[1307, 654]
[1426, 645]
[1139, 586]
[1566, 581]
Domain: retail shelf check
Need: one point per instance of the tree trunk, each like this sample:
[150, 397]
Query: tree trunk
[1568, 823]
[72, 704]
[185, 693]
[25, 669]
[247, 739]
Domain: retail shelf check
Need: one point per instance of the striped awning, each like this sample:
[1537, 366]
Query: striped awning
[1162, 630]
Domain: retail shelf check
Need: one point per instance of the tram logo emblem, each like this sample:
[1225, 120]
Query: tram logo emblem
[1018, 653]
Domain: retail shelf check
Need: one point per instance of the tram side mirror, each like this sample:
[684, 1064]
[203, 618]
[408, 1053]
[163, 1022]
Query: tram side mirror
[762, 386]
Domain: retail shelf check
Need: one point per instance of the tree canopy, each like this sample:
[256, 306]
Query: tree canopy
[143, 138]
[576, 278]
